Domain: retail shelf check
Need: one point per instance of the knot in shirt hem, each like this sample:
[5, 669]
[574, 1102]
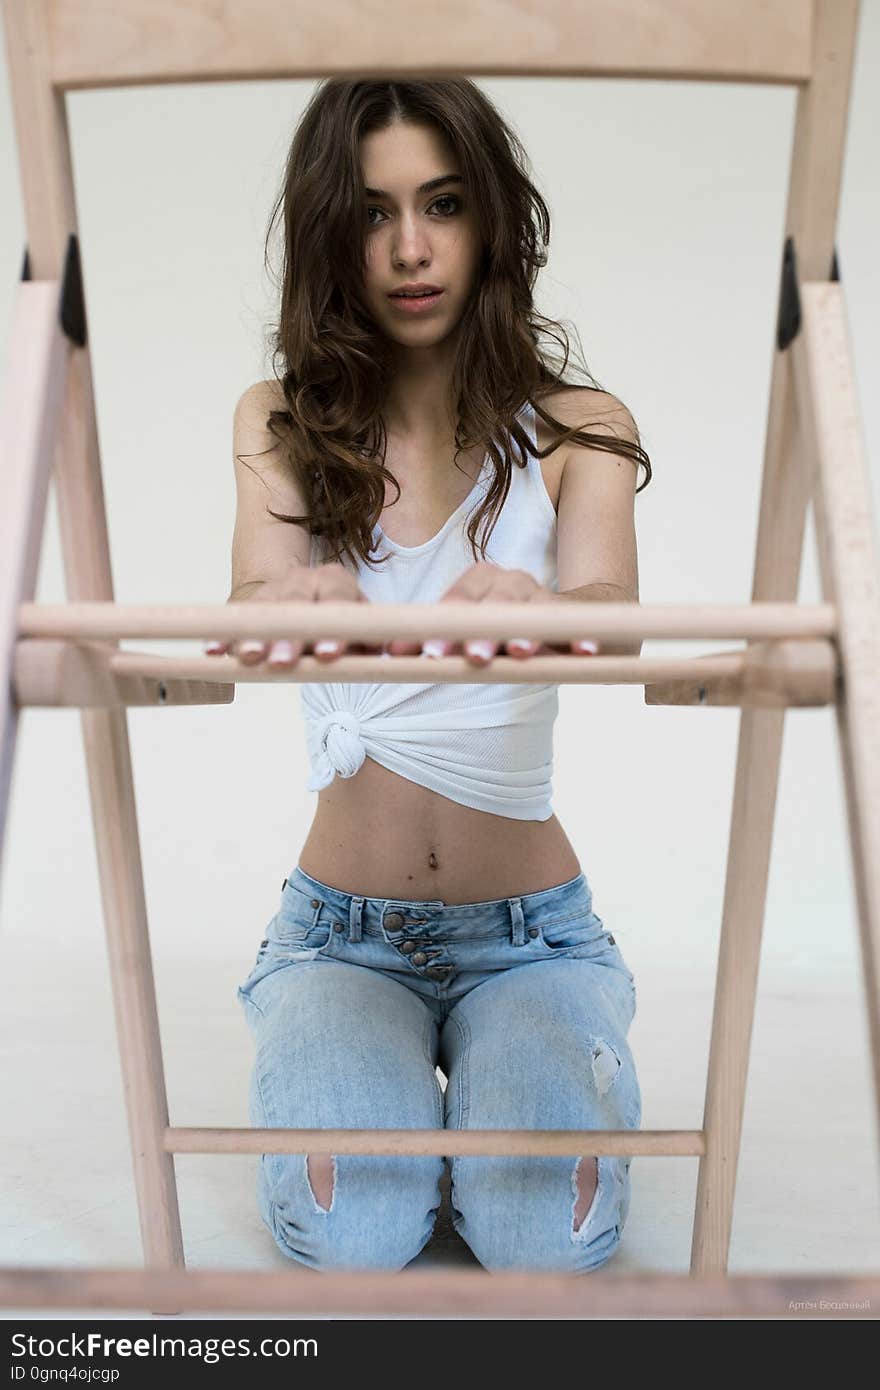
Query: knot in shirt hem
[339, 737]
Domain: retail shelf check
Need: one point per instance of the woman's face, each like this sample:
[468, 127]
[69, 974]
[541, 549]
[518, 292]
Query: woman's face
[415, 236]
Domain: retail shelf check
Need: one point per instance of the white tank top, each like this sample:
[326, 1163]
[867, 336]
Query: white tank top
[488, 746]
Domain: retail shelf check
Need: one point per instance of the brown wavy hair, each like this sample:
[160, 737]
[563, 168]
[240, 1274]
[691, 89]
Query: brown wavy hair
[335, 364]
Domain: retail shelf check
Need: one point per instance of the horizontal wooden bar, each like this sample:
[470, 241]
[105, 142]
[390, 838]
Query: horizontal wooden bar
[94, 44]
[552, 621]
[50, 673]
[55, 673]
[431, 1292]
[209, 1140]
[771, 675]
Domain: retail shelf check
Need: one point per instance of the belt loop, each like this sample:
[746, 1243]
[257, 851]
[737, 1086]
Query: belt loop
[517, 922]
[355, 911]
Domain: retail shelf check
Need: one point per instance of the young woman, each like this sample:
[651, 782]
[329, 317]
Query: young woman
[438, 914]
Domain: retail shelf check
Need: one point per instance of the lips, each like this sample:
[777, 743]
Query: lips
[416, 303]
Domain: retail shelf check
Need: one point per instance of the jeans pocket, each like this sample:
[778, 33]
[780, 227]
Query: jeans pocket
[583, 928]
[284, 934]
[265, 963]
[282, 953]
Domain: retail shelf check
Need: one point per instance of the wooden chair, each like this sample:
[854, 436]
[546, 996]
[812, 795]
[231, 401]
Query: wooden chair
[793, 654]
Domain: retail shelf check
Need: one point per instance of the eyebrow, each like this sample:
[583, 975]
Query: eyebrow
[422, 188]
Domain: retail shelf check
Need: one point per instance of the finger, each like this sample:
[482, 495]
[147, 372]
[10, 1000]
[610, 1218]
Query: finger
[332, 584]
[215, 647]
[437, 646]
[400, 646]
[284, 654]
[504, 586]
[328, 648]
[582, 647]
[484, 581]
[479, 651]
[475, 583]
[250, 651]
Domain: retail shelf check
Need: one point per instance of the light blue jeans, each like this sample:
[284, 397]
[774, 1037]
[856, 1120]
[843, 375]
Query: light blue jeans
[524, 1003]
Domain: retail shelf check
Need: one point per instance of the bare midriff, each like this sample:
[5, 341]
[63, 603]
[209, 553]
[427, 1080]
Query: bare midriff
[380, 835]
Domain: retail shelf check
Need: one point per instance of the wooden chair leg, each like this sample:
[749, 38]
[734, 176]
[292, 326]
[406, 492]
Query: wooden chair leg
[117, 838]
[818, 147]
[850, 570]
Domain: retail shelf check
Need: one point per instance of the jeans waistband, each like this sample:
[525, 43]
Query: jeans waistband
[512, 915]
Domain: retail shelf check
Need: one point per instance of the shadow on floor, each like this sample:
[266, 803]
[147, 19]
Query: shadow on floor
[446, 1245]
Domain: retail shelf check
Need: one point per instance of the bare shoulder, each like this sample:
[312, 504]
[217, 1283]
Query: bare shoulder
[254, 405]
[597, 411]
[593, 410]
[263, 545]
[259, 454]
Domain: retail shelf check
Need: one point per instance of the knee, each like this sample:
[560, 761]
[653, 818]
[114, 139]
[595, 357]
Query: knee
[555, 1215]
[352, 1211]
[601, 1198]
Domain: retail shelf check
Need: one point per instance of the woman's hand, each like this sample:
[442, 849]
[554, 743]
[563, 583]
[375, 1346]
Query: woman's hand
[311, 584]
[489, 583]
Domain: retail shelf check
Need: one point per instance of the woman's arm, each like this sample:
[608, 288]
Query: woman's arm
[262, 546]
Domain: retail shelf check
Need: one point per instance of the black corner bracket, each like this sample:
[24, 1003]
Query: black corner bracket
[789, 320]
[71, 303]
[72, 307]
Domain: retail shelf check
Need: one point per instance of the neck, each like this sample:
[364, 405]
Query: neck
[418, 406]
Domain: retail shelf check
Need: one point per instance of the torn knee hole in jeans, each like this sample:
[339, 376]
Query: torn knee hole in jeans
[605, 1063]
[321, 1177]
[585, 1184]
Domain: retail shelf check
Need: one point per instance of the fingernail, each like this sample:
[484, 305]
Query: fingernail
[434, 646]
[213, 646]
[281, 650]
[249, 646]
[520, 644]
[326, 646]
[481, 648]
[586, 646]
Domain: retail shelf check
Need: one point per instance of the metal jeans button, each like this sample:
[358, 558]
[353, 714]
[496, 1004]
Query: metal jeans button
[407, 946]
[438, 972]
[418, 958]
[316, 902]
[533, 931]
[394, 920]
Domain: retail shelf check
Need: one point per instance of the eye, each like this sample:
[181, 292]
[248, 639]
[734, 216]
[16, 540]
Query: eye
[444, 198]
[448, 198]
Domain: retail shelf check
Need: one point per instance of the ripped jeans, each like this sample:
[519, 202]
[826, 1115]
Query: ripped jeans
[524, 1003]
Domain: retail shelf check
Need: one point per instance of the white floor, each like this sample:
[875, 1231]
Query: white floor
[807, 1191]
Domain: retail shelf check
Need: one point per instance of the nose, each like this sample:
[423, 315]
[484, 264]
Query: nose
[412, 242]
